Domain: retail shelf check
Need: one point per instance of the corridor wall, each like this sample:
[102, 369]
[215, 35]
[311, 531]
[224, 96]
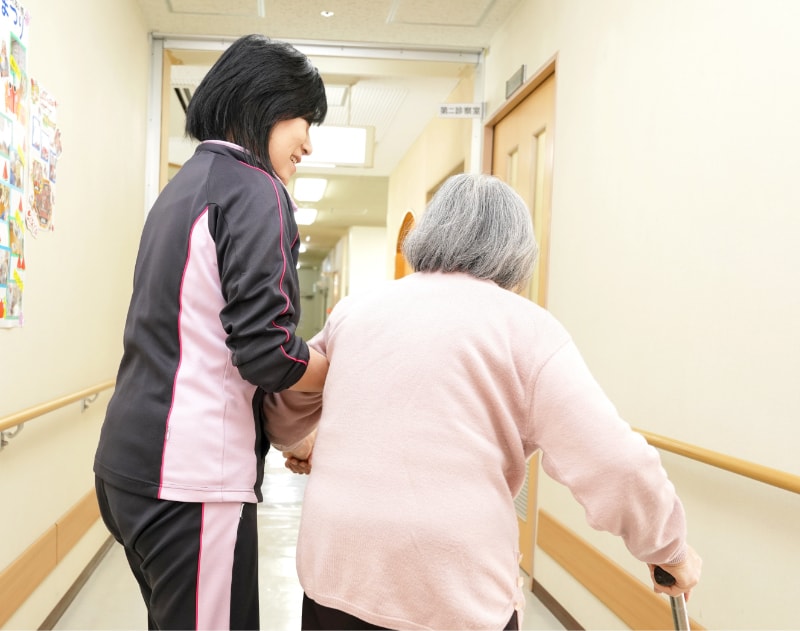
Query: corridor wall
[674, 262]
[93, 56]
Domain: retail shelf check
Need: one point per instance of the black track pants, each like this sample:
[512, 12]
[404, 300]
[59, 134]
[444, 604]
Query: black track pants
[196, 564]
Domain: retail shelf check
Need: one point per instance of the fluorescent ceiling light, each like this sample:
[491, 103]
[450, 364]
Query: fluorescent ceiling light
[315, 165]
[305, 216]
[343, 146]
[309, 189]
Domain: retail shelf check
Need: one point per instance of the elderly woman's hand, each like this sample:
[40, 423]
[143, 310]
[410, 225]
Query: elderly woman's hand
[686, 574]
[298, 456]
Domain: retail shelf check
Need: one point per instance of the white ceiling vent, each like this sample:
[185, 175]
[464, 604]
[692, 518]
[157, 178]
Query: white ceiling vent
[377, 105]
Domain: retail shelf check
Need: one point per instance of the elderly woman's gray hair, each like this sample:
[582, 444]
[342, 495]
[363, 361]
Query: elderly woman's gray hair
[475, 224]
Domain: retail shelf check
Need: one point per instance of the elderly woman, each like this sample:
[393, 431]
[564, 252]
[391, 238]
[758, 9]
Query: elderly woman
[441, 386]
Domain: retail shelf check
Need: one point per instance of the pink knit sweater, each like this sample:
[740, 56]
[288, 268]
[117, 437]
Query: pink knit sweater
[440, 388]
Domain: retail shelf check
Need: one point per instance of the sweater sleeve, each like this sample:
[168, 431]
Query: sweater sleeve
[610, 469]
[254, 232]
[289, 416]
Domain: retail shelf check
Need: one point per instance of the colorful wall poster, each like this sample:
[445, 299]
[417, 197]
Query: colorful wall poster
[45, 149]
[14, 143]
[12, 257]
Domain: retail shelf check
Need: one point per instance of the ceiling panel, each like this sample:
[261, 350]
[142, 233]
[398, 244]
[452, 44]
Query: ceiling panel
[376, 103]
[426, 13]
[247, 8]
[404, 22]
[397, 94]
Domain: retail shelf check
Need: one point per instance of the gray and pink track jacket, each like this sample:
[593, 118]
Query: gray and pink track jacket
[211, 320]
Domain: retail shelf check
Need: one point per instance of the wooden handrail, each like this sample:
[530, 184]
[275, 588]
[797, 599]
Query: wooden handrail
[38, 410]
[774, 477]
[768, 475]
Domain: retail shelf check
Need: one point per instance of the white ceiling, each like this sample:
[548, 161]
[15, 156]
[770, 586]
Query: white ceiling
[401, 58]
[454, 24]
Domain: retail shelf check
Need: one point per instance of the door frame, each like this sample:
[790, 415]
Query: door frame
[527, 539]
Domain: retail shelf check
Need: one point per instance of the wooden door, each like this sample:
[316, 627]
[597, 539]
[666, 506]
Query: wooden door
[521, 153]
[401, 265]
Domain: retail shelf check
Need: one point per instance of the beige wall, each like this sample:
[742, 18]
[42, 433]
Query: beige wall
[332, 274]
[312, 305]
[365, 248]
[93, 56]
[355, 264]
[674, 263]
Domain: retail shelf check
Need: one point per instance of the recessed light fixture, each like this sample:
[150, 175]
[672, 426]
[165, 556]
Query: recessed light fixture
[326, 14]
[305, 216]
[309, 189]
[307, 164]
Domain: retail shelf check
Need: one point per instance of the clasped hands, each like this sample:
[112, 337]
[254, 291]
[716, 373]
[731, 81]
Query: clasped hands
[298, 456]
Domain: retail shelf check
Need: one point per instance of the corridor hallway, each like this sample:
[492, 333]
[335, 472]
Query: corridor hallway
[110, 599]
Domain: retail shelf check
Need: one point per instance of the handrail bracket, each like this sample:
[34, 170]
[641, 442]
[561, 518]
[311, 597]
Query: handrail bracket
[87, 401]
[7, 435]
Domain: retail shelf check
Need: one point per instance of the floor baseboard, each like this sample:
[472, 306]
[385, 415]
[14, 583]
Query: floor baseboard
[555, 608]
[76, 587]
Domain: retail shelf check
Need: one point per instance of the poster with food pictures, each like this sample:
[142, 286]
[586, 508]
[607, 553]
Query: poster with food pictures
[45, 148]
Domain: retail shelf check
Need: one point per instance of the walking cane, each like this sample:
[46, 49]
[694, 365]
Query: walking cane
[680, 617]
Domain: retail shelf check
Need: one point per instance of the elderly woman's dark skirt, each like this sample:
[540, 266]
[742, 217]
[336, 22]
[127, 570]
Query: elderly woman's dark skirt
[319, 618]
